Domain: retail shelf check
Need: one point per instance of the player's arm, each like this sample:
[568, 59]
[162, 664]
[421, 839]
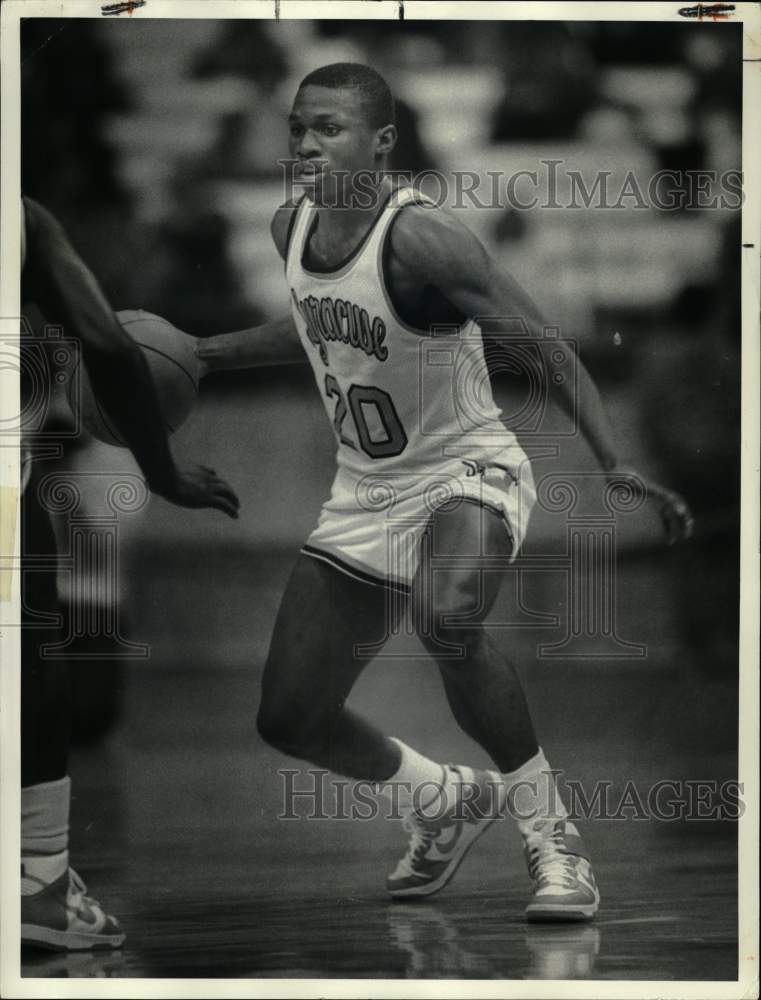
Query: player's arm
[440, 251]
[59, 281]
[273, 343]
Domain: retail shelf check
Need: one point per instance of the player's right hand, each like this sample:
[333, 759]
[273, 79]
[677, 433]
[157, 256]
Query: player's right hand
[199, 486]
[672, 508]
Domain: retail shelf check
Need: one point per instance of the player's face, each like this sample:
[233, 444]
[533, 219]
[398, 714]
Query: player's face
[329, 136]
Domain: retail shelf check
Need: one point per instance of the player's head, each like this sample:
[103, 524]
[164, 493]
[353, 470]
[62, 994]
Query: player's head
[342, 120]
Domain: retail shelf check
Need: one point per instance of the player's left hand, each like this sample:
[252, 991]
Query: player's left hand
[672, 508]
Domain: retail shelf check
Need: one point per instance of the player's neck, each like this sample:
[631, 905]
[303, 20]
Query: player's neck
[355, 211]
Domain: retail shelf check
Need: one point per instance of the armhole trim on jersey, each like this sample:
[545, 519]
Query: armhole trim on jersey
[383, 263]
[289, 234]
[296, 205]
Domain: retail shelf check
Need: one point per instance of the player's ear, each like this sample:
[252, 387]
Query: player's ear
[385, 140]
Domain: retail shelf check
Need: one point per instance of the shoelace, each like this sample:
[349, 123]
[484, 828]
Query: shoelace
[547, 864]
[421, 835]
[75, 881]
[78, 892]
[420, 840]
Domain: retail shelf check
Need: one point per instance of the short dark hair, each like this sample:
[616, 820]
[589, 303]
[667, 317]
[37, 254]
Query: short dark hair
[374, 91]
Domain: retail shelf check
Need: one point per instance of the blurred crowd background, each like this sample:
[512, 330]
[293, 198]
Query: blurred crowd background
[156, 143]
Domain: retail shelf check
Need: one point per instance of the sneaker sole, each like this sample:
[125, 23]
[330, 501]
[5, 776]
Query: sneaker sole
[447, 874]
[559, 912]
[52, 940]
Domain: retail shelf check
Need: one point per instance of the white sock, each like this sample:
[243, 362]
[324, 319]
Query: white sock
[45, 817]
[44, 833]
[532, 794]
[420, 784]
[42, 868]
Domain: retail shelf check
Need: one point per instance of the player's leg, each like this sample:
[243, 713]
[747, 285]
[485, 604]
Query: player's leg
[452, 596]
[312, 666]
[494, 713]
[54, 911]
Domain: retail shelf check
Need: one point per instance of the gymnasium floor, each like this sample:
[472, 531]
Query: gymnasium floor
[175, 818]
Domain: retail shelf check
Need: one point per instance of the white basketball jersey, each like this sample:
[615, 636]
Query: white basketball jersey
[398, 400]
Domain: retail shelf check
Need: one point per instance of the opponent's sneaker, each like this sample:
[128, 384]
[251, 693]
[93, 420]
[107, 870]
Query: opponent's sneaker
[439, 843]
[558, 863]
[59, 916]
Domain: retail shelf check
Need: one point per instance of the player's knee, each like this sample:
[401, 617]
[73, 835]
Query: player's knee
[446, 603]
[445, 608]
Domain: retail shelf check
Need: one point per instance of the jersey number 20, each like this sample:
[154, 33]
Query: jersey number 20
[360, 397]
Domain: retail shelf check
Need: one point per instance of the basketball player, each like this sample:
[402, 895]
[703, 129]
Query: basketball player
[372, 270]
[55, 912]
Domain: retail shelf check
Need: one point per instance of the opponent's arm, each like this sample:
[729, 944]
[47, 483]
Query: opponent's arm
[273, 343]
[59, 281]
[440, 251]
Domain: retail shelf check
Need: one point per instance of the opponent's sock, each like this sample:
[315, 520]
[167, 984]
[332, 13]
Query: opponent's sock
[532, 793]
[44, 832]
[420, 783]
[37, 871]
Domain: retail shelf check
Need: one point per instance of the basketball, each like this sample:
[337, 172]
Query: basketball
[170, 354]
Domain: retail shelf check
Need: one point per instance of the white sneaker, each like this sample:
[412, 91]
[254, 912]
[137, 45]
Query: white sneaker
[558, 863]
[59, 916]
[438, 845]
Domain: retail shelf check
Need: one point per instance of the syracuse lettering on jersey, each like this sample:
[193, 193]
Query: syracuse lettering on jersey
[327, 320]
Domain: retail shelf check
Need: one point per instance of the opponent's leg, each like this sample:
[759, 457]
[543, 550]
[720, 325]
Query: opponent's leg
[55, 913]
[45, 683]
[452, 601]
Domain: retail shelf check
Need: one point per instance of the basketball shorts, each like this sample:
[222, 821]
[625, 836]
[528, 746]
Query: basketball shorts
[371, 526]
